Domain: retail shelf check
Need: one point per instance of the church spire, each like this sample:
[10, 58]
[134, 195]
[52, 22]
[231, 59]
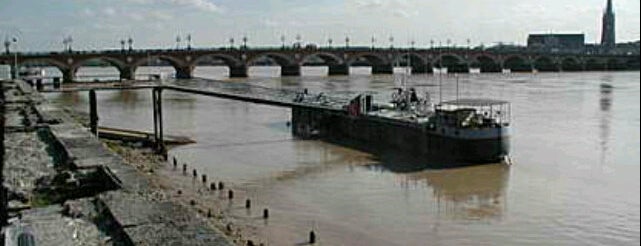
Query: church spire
[608, 31]
[608, 8]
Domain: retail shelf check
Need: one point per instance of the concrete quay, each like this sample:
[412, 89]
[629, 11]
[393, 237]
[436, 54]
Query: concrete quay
[66, 187]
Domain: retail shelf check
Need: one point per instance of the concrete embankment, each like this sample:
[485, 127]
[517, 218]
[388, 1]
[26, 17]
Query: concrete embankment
[65, 187]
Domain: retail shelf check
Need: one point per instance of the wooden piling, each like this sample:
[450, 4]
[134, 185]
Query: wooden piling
[156, 95]
[93, 112]
[312, 237]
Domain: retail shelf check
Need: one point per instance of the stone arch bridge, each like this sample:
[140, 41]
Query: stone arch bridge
[338, 60]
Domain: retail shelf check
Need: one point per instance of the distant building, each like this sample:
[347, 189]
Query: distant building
[608, 31]
[556, 42]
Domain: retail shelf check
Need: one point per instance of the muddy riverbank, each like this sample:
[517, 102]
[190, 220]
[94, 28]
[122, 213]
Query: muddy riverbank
[66, 187]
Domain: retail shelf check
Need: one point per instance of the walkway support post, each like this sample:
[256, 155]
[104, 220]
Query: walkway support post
[93, 112]
[158, 126]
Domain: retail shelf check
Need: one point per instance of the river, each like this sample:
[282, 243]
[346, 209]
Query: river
[574, 178]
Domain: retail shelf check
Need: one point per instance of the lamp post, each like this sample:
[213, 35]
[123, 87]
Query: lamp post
[122, 45]
[373, 42]
[329, 42]
[282, 41]
[189, 41]
[412, 43]
[7, 43]
[245, 42]
[64, 44]
[346, 42]
[70, 42]
[391, 42]
[298, 40]
[130, 41]
[231, 43]
[178, 41]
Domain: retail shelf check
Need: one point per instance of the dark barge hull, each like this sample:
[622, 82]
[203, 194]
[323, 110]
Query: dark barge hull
[385, 136]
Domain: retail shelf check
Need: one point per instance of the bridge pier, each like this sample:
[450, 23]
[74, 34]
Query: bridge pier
[341, 69]
[292, 70]
[238, 72]
[13, 71]
[383, 69]
[184, 72]
[424, 68]
[127, 74]
[458, 68]
[68, 75]
[491, 68]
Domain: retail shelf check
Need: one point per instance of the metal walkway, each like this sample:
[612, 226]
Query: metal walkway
[229, 90]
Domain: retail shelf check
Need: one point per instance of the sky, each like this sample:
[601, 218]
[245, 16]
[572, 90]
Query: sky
[41, 25]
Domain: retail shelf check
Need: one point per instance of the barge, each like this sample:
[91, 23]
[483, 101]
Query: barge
[454, 133]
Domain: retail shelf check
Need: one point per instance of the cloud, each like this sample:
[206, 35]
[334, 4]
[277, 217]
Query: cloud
[270, 23]
[204, 5]
[396, 8]
[369, 4]
[87, 12]
[160, 15]
[109, 11]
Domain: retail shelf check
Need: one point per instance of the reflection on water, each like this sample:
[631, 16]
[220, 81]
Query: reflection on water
[605, 103]
[468, 193]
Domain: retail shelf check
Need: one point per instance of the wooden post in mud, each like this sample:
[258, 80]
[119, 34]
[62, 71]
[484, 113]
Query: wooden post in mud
[158, 128]
[93, 112]
[312, 237]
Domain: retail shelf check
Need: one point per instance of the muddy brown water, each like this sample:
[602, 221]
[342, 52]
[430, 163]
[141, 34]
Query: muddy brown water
[574, 181]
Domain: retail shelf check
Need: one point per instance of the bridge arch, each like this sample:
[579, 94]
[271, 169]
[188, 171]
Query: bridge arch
[418, 63]
[43, 61]
[546, 64]
[614, 64]
[371, 58]
[280, 59]
[227, 59]
[593, 64]
[571, 63]
[328, 58]
[414, 58]
[453, 62]
[633, 63]
[486, 63]
[288, 64]
[209, 64]
[53, 68]
[517, 63]
[181, 69]
[113, 67]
